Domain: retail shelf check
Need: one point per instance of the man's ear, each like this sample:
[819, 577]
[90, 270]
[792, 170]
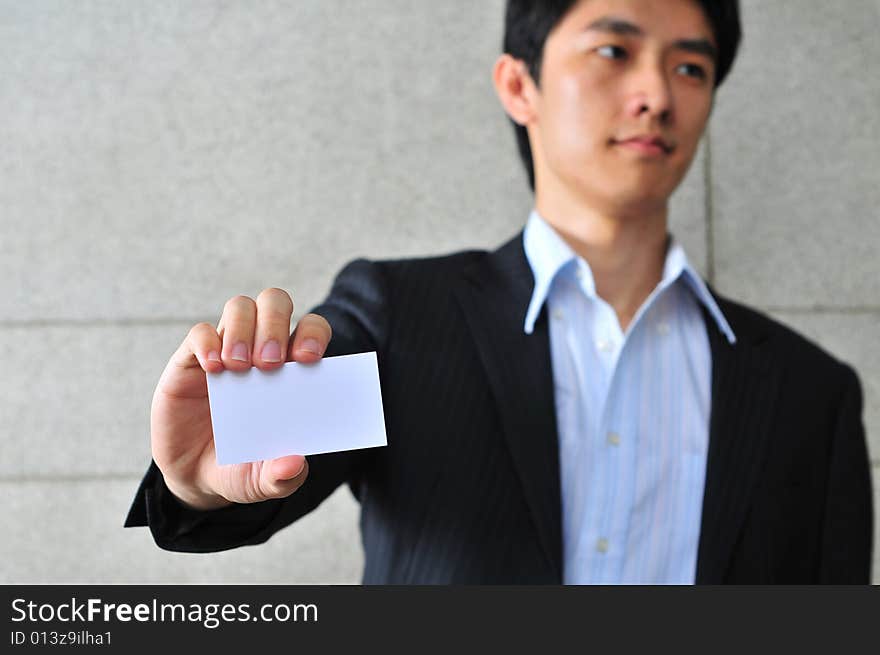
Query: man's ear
[515, 88]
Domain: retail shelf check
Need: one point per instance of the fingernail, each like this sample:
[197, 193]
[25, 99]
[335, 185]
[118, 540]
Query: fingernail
[298, 473]
[240, 352]
[213, 356]
[310, 345]
[301, 469]
[271, 352]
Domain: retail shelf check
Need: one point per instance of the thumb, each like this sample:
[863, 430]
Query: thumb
[284, 475]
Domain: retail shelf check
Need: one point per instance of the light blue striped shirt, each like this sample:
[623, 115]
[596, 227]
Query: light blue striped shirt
[632, 413]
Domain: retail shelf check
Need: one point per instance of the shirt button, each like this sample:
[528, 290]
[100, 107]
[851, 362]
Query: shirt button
[605, 345]
[613, 438]
[663, 328]
[557, 314]
[602, 545]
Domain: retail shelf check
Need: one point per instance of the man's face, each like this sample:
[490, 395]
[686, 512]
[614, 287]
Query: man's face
[625, 92]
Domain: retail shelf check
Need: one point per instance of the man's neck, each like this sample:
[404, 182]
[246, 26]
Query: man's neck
[626, 251]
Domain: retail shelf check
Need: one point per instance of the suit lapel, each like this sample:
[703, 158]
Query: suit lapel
[745, 385]
[494, 294]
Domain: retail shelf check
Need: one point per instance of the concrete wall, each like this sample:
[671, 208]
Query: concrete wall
[159, 157]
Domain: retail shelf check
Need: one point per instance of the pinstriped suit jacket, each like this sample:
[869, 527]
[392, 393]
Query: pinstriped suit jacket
[467, 490]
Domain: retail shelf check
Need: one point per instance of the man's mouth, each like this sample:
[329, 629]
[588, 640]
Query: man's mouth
[649, 144]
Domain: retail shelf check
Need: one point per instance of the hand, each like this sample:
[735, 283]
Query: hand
[250, 333]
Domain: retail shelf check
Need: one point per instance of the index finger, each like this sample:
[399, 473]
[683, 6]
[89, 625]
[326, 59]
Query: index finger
[310, 339]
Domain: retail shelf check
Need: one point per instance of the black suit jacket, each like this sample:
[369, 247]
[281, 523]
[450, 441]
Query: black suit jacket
[467, 490]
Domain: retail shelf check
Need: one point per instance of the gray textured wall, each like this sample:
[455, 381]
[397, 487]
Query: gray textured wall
[159, 157]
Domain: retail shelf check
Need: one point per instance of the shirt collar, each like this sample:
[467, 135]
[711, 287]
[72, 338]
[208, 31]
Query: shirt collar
[548, 254]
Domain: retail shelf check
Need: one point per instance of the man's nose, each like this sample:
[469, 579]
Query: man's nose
[651, 94]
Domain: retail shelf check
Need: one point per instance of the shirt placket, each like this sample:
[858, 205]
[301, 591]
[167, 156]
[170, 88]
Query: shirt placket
[609, 447]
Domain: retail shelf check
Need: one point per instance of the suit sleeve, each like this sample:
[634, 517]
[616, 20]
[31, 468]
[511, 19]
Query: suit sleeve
[356, 311]
[847, 528]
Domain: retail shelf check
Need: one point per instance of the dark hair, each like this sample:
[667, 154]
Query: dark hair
[528, 23]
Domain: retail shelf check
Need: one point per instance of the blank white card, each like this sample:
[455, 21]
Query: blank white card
[298, 409]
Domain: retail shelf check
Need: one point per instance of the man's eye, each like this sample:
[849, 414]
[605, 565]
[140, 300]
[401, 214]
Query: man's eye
[693, 70]
[611, 52]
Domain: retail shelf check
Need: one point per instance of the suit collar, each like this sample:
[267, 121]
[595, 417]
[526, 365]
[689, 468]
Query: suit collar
[494, 293]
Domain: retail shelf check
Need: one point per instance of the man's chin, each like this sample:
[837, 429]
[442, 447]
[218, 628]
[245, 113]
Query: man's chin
[639, 194]
[639, 202]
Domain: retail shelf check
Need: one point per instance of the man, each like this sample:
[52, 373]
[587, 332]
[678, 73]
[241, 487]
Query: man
[577, 406]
